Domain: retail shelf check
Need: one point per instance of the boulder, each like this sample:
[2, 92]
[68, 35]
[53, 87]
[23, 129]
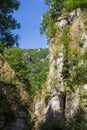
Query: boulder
[63, 23]
[72, 14]
[71, 17]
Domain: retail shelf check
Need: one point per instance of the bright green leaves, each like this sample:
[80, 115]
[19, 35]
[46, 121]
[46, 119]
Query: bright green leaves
[70, 4]
[14, 56]
[7, 22]
[73, 4]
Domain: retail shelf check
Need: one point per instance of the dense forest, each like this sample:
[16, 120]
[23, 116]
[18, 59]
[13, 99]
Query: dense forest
[31, 66]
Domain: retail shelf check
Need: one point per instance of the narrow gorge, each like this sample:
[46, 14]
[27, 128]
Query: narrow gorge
[46, 89]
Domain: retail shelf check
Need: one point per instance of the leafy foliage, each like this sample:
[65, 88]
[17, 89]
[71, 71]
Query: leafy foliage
[31, 66]
[73, 4]
[48, 25]
[8, 23]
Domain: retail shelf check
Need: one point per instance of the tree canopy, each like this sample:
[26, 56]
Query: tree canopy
[8, 22]
[31, 66]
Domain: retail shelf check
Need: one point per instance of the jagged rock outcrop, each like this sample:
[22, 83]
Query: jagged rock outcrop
[65, 94]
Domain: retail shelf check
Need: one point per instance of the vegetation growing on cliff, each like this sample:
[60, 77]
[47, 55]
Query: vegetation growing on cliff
[71, 70]
[48, 25]
[74, 70]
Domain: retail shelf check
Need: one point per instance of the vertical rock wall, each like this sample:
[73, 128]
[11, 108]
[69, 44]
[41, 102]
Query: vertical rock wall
[59, 104]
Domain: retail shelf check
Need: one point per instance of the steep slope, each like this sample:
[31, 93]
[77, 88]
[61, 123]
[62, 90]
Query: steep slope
[21, 85]
[14, 100]
[63, 104]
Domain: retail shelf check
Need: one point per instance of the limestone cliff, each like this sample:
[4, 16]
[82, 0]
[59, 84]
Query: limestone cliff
[65, 96]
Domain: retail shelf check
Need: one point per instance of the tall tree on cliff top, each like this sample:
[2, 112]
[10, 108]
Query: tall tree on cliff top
[8, 22]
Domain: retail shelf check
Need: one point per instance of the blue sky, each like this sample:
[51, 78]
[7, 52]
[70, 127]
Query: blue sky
[29, 15]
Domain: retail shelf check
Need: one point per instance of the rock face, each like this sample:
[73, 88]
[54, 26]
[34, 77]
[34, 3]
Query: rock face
[64, 96]
[37, 107]
[52, 111]
[72, 104]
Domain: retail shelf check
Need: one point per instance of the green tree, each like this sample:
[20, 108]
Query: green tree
[14, 56]
[8, 22]
[31, 66]
[48, 23]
